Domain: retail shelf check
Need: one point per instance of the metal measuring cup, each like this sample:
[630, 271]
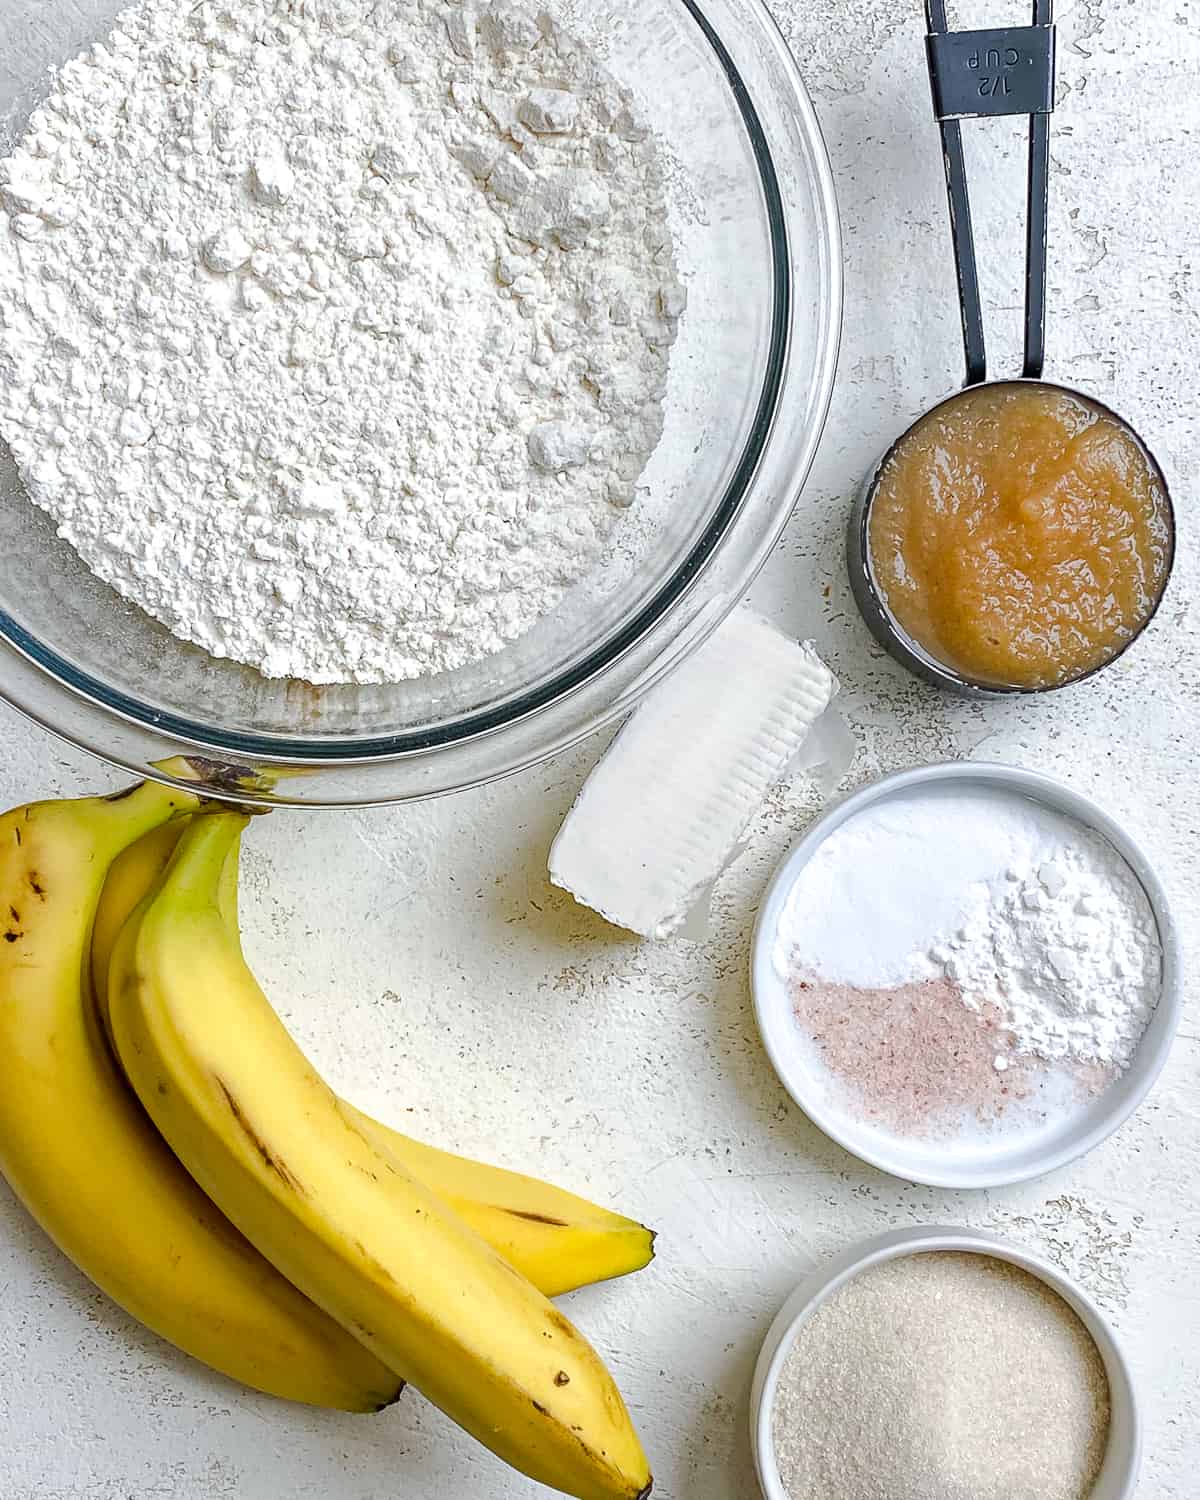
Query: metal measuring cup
[975, 75]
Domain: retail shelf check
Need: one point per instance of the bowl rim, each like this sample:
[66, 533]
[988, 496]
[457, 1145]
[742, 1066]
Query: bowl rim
[1153, 1049]
[1118, 1475]
[90, 693]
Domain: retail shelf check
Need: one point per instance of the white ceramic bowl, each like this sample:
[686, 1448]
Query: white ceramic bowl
[1000, 1158]
[1122, 1458]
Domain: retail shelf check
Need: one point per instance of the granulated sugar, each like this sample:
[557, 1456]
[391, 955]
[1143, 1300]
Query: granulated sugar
[942, 1377]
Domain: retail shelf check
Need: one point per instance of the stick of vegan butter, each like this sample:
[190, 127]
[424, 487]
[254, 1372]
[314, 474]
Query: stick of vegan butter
[663, 812]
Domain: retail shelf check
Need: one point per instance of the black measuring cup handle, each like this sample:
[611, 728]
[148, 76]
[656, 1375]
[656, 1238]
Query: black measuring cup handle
[975, 75]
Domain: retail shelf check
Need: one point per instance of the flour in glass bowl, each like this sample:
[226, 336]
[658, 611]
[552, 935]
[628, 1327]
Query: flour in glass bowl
[335, 332]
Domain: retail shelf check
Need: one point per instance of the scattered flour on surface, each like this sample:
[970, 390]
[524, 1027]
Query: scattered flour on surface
[335, 332]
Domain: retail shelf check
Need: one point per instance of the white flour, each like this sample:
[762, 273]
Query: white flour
[335, 332]
[1016, 903]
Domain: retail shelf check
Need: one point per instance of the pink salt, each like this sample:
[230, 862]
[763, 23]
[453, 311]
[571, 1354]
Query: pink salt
[916, 1057]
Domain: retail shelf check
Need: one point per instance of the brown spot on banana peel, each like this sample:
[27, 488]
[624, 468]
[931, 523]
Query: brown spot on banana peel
[127, 791]
[562, 1378]
[35, 885]
[602, 1453]
[269, 1159]
[354, 1130]
[520, 1213]
[561, 1325]
[11, 937]
[373, 1265]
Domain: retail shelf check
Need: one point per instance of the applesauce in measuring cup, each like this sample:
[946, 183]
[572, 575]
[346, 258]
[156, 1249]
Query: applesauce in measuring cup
[1021, 534]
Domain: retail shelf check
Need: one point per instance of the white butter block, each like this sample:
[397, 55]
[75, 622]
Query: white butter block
[662, 813]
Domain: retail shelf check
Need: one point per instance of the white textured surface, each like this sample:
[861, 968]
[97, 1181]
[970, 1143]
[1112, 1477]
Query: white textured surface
[424, 959]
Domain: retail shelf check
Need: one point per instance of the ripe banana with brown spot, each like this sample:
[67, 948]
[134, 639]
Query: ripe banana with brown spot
[556, 1239]
[79, 1151]
[341, 1218]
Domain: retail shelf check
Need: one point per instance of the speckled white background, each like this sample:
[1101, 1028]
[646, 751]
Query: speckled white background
[422, 958]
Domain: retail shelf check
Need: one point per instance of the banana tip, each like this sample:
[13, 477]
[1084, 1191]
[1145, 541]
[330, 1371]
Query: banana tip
[391, 1400]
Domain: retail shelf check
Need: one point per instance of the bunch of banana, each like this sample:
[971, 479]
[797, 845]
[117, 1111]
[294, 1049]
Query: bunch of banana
[359, 1258]
[78, 1149]
[557, 1240]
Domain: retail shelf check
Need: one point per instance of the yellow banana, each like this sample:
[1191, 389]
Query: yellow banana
[340, 1218]
[79, 1151]
[130, 878]
[555, 1239]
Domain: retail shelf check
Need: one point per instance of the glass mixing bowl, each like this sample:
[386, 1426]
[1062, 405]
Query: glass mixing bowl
[757, 238]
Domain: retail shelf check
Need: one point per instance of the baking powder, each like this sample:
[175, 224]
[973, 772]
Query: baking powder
[336, 332]
[1066, 947]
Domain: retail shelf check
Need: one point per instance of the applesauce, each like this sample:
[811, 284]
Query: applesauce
[1021, 534]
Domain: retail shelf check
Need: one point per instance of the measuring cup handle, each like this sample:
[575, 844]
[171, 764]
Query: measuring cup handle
[974, 75]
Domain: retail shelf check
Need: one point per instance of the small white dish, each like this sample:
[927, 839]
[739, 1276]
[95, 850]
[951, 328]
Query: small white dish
[983, 1158]
[1122, 1458]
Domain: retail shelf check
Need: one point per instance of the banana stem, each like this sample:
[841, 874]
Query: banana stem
[194, 872]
